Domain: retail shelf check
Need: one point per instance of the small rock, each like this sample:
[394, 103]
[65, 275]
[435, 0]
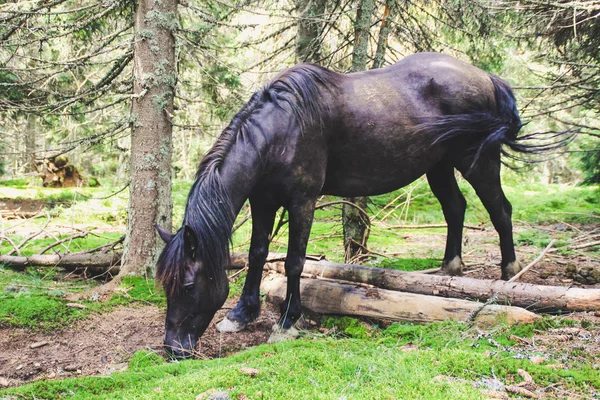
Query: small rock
[205, 395]
[408, 347]
[556, 366]
[4, 382]
[76, 305]
[521, 391]
[280, 335]
[494, 394]
[38, 344]
[249, 371]
[213, 394]
[537, 360]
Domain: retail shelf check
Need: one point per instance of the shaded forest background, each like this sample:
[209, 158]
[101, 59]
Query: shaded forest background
[68, 77]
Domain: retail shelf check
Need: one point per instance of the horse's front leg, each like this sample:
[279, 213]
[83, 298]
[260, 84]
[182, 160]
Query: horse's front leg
[248, 306]
[301, 217]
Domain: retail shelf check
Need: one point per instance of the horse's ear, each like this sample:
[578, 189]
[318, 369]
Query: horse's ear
[190, 241]
[164, 234]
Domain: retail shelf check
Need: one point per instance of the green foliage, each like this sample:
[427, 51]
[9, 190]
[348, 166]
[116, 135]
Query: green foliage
[18, 183]
[408, 264]
[349, 327]
[10, 88]
[533, 237]
[143, 359]
[590, 161]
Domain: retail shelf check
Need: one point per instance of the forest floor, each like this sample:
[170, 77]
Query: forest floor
[104, 342]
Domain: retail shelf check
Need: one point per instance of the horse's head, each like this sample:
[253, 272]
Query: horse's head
[194, 291]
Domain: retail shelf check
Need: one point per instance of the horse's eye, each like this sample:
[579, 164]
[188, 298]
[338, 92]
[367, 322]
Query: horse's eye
[189, 288]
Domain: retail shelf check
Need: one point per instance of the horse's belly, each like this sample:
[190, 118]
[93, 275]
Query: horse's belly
[348, 181]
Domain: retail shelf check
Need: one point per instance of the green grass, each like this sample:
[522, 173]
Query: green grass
[325, 368]
[77, 244]
[18, 183]
[409, 264]
[33, 299]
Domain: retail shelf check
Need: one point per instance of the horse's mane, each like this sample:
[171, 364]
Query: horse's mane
[209, 212]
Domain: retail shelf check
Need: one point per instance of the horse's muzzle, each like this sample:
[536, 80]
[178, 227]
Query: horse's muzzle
[179, 343]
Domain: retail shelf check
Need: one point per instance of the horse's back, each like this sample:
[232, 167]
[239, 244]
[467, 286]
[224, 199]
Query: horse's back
[374, 142]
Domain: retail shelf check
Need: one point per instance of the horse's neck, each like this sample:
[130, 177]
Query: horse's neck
[240, 171]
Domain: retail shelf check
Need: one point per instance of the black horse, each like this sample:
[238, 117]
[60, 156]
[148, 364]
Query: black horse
[312, 131]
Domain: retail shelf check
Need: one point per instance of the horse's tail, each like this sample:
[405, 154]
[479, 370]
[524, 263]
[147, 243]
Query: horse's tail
[496, 130]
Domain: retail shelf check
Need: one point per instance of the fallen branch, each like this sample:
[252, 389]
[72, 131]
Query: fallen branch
[427, 226]
[16, 214]
[327, 297]
[586, 245]
[61, 241]
[531, 264]
[495, 297]
[104, 248]
[93, 262]
[14, 246]
[31, 236]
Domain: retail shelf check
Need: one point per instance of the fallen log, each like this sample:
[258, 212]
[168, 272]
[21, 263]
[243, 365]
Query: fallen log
[533, 297]
[97, 263]
[94, 263]
[328, 297]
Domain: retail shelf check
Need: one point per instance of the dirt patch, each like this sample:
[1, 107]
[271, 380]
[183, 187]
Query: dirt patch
[22, 205]
[104, 343]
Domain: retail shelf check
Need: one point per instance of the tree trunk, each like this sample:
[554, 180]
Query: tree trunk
[355, 227]
[362, 29]
[326, 297]
[384, 32]
[30, 135]
[308, 45]
[151, 138]
[534, 297]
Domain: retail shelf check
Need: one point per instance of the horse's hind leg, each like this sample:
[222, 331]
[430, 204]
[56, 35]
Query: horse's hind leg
[248, 307]
[484, 176]
[444, 187]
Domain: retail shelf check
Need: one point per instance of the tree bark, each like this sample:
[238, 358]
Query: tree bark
[327, 297]
[384, 32]
[355, 227]
[151, 138]
[308, 46]
[534, 297]
[30, 136]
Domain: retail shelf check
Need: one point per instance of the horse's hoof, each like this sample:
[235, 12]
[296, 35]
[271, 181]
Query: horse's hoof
[281, 335]
[230, 326]
[511, 270]
[453, 267]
